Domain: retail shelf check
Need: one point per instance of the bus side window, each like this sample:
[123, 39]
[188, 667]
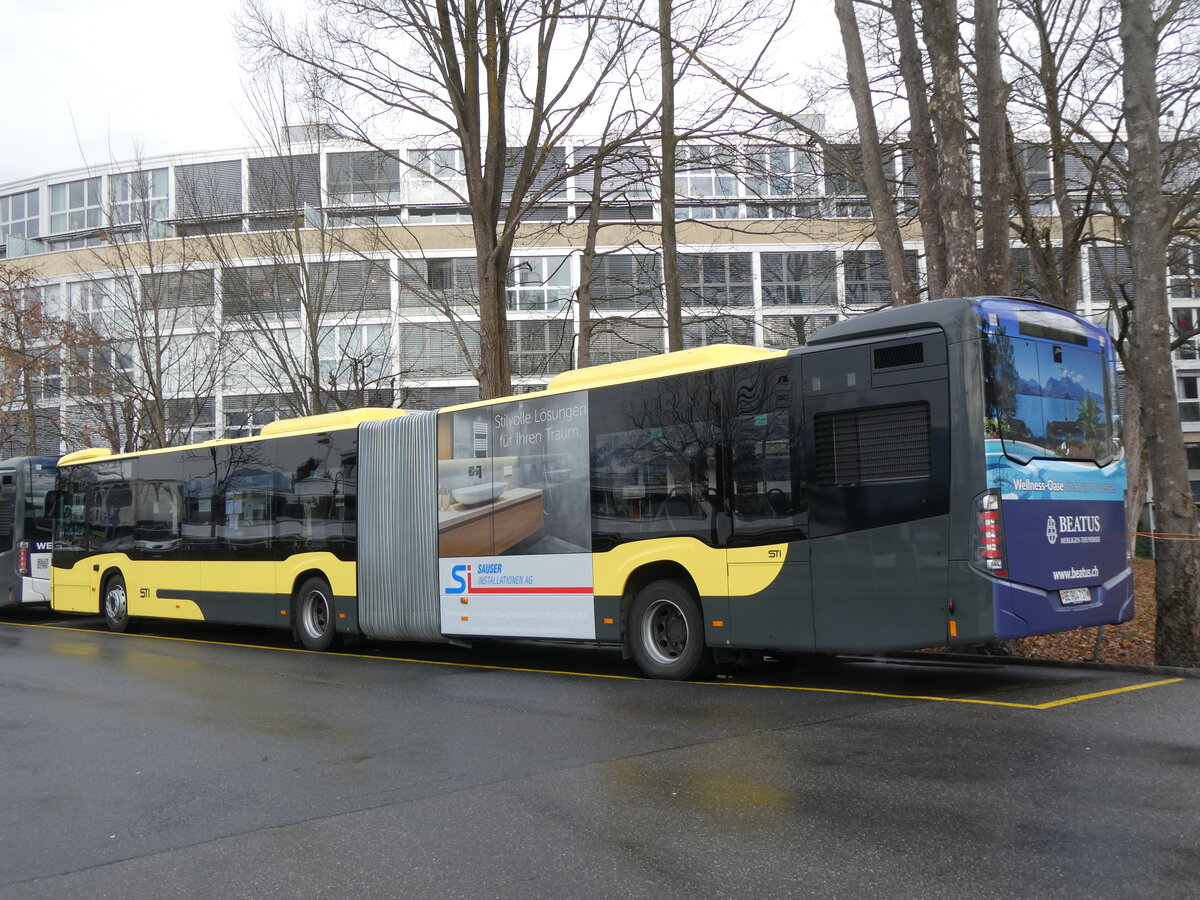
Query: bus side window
[767, 480]
[655, 460]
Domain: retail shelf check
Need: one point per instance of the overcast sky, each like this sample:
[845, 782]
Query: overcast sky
[86, 83]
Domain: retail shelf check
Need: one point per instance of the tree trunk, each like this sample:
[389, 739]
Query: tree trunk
[924, 151]
[949, 119]
[993, 152]
[1178, 566]
[672, 295]
[1135, 457]
[883, 210]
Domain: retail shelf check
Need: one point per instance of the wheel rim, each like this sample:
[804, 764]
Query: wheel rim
[316, 614]
[664, 632]
[114, 602]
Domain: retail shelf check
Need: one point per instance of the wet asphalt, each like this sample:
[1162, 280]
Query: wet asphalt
[198, 762]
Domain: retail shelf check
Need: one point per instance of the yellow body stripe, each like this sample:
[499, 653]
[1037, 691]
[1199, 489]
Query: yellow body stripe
[755, 568]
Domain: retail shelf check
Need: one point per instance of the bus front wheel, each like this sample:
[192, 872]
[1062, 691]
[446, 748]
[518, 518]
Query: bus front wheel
[666, 635]
[115, 604]
[314, 615]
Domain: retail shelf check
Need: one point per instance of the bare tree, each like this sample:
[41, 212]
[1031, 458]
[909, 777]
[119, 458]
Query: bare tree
[924, 148]
[483, 78]
[1148, 226]
[887, 227]
[33, 340]
[948, 111]
[994, 187]
[148, 376]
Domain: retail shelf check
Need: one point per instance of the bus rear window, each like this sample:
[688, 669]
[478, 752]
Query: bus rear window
[1049, 398]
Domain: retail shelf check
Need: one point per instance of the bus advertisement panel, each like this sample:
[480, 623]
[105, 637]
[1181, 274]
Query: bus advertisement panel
[1054, 458]
[513, 528]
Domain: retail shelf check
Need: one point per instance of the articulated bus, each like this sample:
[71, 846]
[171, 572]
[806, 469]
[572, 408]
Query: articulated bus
[943, 474]
[25, 530]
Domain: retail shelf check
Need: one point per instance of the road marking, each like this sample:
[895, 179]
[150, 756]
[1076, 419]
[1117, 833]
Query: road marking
[968, 700]
[972, 701]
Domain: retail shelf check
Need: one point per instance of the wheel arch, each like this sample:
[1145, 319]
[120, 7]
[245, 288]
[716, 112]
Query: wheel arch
[102, 585]
[643, 575]
[298, 580]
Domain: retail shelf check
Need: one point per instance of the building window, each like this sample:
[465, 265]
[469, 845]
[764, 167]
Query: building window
[438, 285]
[717, 280]
[698, 332]
[866, 276]
[351, 286]
[262, 291]
[790, 279]
[354, 357]
[179, 299]
[786, 332]
[541, 347]
[1033, 161]
[434, 349]
[783, 172]
[19, 215]
[138, 197]
[207, 190]
[106, 303]
[1188, 390]
[618, 339]
[75, 205]
[705, 171]
[626, 281]
[1183, 273]
[539, 282]
[369, 178]
[279, 183]
[436, 176]
[1185, 323]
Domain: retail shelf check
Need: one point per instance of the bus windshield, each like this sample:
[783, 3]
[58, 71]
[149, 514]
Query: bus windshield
[1050, 389]
[41, 482]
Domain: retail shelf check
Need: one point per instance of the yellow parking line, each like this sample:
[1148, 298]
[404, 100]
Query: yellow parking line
[966, 700]
[1052, 704]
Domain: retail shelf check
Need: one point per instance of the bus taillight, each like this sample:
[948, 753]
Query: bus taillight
[989, 534]
[23, 558]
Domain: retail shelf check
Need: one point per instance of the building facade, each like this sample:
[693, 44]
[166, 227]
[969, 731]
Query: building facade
[220, 291]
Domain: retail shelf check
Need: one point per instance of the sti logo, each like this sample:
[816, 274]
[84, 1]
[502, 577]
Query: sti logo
[1051, 530]
[461, 576]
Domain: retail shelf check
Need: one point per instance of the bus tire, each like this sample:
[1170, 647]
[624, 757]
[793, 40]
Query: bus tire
[114, 604]
[315, 616]
[666, 632]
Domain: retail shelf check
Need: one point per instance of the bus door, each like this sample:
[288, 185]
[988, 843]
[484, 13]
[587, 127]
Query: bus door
[72, 588]
[878, 432]
[769, 574]
[165, 577]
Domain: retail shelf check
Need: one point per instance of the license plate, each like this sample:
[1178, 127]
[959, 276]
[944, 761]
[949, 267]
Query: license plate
[1071, 596]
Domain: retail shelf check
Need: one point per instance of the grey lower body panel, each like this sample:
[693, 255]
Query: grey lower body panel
[397, 529]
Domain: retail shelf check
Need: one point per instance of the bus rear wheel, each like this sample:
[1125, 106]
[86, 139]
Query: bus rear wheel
[114, 604]
[666, 632]
[314, 615]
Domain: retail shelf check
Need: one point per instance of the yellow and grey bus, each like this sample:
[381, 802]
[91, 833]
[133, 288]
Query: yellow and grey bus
[940, 474]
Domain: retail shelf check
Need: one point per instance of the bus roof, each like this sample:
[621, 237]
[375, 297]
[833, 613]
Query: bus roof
[336, 421]
[957, 316]
[641, 369]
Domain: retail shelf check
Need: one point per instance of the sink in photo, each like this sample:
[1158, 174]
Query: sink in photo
[474, 494]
